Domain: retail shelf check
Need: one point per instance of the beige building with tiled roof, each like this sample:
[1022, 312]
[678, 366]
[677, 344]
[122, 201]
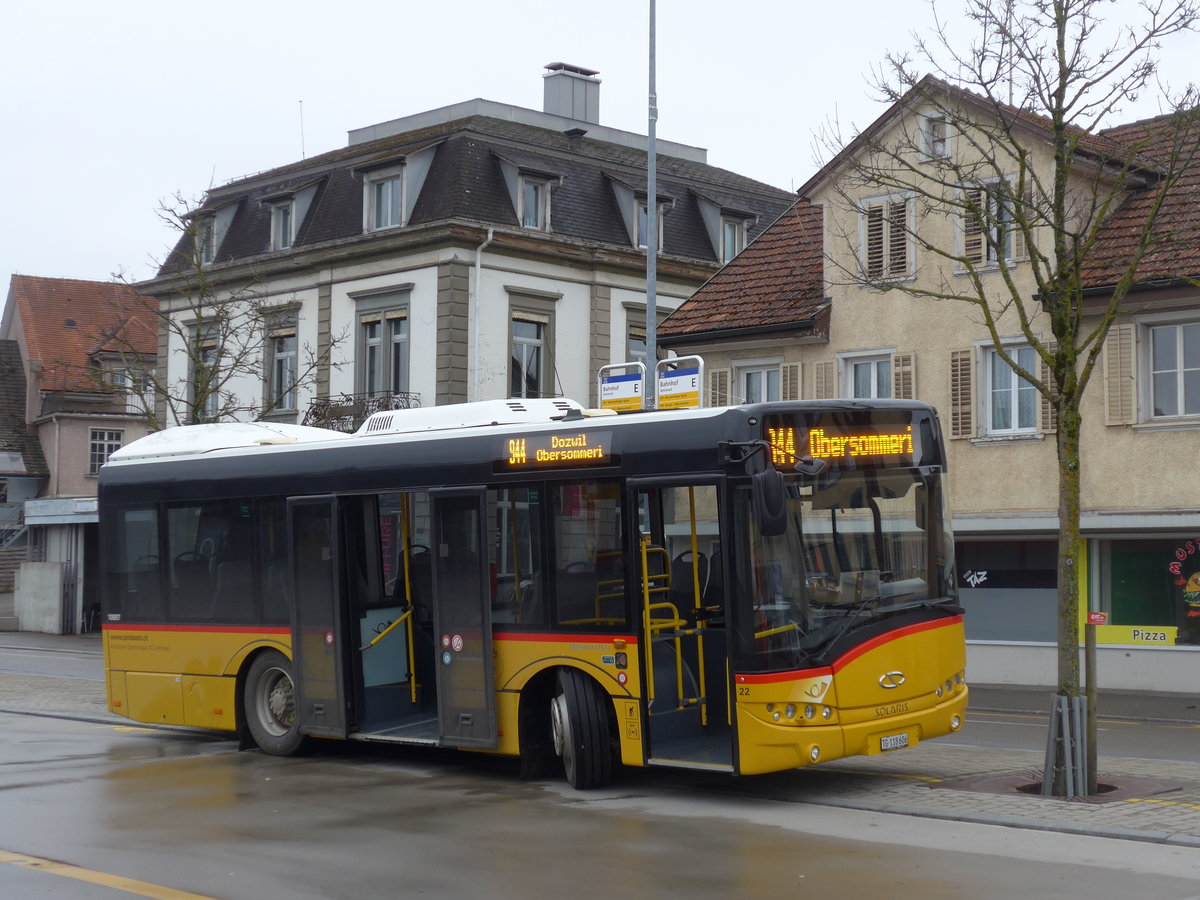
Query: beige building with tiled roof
[72, 340]
[790, 318]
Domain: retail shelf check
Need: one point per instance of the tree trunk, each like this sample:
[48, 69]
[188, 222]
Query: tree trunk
[1068, 549]
[1069, 422]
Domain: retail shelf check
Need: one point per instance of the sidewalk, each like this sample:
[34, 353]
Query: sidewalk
[1150, 800]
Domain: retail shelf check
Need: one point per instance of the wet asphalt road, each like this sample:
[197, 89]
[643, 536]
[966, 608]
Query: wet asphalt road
[191, 813]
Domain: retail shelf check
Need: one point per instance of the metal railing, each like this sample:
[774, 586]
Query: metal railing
[347, 412]
[12, 523]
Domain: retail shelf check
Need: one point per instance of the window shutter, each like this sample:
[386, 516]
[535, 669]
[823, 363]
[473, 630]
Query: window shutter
[898, 238]
[718, 386]
[874, 260]
[823, 378]
[789, 382]
[904, 375]
[1119, 381]
[1020, 247]
[1049, 415]
[961, 399]
[974, 213]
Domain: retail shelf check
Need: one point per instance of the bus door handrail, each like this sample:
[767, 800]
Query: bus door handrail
[405, 512]
[401, 619]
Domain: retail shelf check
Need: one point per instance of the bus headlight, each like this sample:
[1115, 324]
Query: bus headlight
[814, 752]
[826, 712]
[809, 711]
[790, 711]
[955, 723]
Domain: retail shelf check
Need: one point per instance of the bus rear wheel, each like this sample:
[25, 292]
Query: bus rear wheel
[579, 726]
[269, 702]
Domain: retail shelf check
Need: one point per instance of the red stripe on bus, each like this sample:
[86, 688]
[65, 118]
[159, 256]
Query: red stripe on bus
[201, 629]
[908, 630]
[843, 661]
[561, 638]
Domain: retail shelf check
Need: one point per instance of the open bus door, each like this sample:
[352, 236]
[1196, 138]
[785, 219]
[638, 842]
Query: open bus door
[462, 619]
[314, 558]
[684, 645]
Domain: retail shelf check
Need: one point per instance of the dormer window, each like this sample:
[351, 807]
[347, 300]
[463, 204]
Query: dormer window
[208, 239]
[643, 224]
[733, 237]
[282, 227]
[385, 199]
[534, 200]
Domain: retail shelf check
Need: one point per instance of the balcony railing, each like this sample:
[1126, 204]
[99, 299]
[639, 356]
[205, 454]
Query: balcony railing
[347, 412]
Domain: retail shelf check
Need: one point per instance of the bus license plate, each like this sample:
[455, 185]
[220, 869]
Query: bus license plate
[893, 741]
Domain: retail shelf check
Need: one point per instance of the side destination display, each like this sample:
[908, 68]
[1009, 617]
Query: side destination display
[539, 451]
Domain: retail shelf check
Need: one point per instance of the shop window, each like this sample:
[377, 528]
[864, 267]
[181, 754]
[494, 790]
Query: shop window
[1151, 589]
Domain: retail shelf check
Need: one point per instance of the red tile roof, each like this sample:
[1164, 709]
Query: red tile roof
[1174, 250]
[66, 320]
[777, 280]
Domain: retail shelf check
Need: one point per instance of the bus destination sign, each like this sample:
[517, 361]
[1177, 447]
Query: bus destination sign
[887, 445]
[540, 451]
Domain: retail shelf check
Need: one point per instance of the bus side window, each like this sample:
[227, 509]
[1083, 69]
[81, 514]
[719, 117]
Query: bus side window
[134, 582]
[589, 586]
[518, 593]
[273, 561]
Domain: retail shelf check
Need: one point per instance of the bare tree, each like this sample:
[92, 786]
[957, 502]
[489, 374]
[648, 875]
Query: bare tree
[226, 350]
[1007, 141]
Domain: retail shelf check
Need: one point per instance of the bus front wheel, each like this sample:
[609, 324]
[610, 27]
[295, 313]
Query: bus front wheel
[269, 702]
[579, 726]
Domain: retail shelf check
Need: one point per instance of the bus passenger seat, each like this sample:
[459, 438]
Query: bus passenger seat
[683, 587]
[233, 597]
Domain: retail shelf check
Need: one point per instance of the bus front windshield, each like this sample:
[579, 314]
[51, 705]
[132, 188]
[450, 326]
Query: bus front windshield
[860, 546]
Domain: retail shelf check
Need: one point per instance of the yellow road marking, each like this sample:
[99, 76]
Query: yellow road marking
[129, 885]
[1164, 802]
[900, 776]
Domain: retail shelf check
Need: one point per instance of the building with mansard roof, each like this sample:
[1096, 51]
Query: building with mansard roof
[478, 251]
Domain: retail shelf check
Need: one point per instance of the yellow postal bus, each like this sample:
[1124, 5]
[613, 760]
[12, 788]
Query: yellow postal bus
[745, 589]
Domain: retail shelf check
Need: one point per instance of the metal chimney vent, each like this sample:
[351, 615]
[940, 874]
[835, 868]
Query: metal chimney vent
[572, 92]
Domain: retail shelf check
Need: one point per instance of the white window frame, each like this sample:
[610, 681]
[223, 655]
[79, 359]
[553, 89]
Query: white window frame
[381, 371]
[103, 443]
[1014, 389]
[207, 237]
[873, 358]
[386, 203]
[989, 253]
[1151, 371]
[134, 383]
[889, 239]
[762, 371]
[283, 225]
[539, 208]
[205, 355]
[520, 348]
[935, 136]
[283, 370]
[641, 212]
[733, 237]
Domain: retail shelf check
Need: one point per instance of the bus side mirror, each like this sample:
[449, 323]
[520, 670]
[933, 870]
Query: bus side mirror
[770, 502]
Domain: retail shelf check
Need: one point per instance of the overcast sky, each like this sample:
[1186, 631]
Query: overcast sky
[108, 109]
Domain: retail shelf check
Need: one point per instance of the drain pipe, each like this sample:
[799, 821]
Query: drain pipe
[476, 367]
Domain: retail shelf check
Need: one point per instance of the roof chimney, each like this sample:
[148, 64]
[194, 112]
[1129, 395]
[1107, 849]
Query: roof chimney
[572, 92]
